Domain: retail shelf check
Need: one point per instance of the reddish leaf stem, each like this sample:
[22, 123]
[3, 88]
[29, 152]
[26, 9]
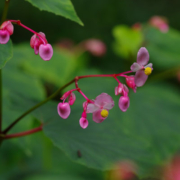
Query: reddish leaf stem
[25, 133]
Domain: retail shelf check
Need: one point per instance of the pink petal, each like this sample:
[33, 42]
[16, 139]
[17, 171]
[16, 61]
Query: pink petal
[135, 67]
[104, 101]
[4, 36]
[46, 52]
[83, 122]
[142, 56]
[124, 103]
[92, 108]
[32, 41]
[71, 99]
[119, 89]
[36, 46]
[64, 110]
[140, 78]
[149, 65]
[7, 25]
[97, 117]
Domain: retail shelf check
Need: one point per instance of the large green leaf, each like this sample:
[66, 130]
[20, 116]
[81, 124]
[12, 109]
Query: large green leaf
[147, 133]
[59, 7]
[163, 48]
[6, 53]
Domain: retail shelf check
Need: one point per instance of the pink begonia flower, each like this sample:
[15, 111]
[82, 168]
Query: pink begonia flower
[6, 29]
[141, 70]
[160, 23]
[83, 121]
[41, 46]
[95, 46]
[131, 83]
[64, 110]
[124, 103]
[100, 108]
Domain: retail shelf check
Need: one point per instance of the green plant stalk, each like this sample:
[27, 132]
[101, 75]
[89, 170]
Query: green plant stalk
[5, 11]
[37, 105]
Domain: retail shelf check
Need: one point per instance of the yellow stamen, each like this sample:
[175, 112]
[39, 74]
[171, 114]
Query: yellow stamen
[148, 71]
[104, 113]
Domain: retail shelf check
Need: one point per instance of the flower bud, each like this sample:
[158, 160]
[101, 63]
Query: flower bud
[124, 103]
[63, 110]
[45, 51]
[83, 122]
[130, 82]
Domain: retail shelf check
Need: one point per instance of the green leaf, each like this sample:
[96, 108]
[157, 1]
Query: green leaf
[163, 48]
[147, 133]
[127, 41]
[6, 53]
[59, 7]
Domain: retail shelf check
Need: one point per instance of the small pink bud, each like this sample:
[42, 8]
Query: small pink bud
[83, 122]
[119, 89]
[95, 46]
[46, 52]
[124, 103]
[7, 25]
[4, 36]
[71, 99]
[130, 82]
[160, 23]
[63, 110]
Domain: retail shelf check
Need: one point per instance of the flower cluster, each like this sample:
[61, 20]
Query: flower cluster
[100, 106]
[38, 41]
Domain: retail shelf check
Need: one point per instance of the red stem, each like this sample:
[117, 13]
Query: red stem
[23, 133]
[18, 22]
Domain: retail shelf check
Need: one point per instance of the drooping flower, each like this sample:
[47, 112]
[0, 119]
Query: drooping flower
[160, 23]
[124, 103]
[83, 121]
[6, 29]
[64, 110]
[100, 108]
[141, 68]
[40, 45]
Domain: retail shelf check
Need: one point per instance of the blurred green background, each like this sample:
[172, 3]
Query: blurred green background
[147, 134]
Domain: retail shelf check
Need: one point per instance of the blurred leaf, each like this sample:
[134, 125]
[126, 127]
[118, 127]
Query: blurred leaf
[59, 70]
[6, 53]
[59, 7]
[163, 48]
[127, 41]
